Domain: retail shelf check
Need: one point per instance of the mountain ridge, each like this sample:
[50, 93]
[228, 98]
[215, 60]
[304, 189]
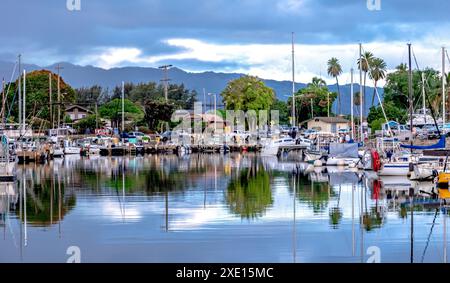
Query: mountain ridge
[213, 82]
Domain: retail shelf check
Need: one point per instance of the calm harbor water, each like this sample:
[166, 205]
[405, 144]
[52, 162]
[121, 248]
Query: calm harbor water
[214, 208]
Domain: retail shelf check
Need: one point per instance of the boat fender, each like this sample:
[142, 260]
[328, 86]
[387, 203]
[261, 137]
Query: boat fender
[411, 167]
[376, 162]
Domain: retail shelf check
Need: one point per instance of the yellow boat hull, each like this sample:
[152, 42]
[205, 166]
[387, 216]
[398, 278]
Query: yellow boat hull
[443, 180]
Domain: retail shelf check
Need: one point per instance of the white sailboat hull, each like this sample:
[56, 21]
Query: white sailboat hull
[341, 161]
[72, 150]
[7, 170]
[395, 169]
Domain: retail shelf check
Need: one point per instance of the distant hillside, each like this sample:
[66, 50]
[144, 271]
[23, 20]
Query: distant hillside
[78, 76]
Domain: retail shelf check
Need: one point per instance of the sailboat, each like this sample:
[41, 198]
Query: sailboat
[7, 160]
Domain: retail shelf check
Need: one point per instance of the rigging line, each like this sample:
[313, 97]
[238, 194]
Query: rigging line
[429, 236]
[415, 59]
[448, 58]
[9, 86]
[10, 82]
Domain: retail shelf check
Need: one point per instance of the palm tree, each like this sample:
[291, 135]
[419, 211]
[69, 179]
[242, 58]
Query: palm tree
[335, 70]
[317, 83]
[377, 72]
[402, 67]
[363, 65]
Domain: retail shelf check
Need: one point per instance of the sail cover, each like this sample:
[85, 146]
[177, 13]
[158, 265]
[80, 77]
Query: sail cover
[439, 145]
[344, 150]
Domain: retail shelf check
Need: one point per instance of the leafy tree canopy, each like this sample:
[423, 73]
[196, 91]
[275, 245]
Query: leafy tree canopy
[248, 93]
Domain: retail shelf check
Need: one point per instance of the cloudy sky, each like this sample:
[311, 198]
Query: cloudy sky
[248, 36]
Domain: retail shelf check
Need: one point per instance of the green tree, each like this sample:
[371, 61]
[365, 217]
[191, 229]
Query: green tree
[283, 109]
[364, 64]
[335, 70]
[318, 92]
[377, 72]
[113, 111]
[376, 117]
[87, 124]
[248, 93]
[37, 96]
[158, 111]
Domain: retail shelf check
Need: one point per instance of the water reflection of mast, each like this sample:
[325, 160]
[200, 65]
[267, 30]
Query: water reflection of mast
[353, 219]
[445, 235]
[362, 222]
[25, 210]
[411, 195]
[295, 225]
[52, 184]
[123, 188]
[20, 218]
[59, 206]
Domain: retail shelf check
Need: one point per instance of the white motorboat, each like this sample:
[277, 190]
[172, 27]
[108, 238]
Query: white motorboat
[343, 154]
[94, 150]
[273, 147]
[70, 149]
[58, 151]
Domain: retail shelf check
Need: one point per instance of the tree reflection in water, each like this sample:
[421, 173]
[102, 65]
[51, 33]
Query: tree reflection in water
[249, 194]
[315, 194]
[46, 204]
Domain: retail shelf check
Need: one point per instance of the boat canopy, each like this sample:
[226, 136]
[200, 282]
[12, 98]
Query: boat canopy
[344, 150]
[439, 145]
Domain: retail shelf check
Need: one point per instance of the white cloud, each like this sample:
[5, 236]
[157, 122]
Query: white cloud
[273, 61]
[291, 6]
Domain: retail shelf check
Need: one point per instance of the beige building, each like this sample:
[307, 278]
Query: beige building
[76, 112]
[328, 124]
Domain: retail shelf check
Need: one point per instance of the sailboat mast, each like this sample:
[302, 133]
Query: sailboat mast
[50, 98]
[410, 87]
[361, 102]
[123, 107]
[443, 86]
[24, 101]
[424, 107]
[3, 102]
[352, 103]
[293, 82]
[20, 94]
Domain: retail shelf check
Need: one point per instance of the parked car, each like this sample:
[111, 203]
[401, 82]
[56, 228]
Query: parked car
[310, 132]
[285, 129]
[431, 132]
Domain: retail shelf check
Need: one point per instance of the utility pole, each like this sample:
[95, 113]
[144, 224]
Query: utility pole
[59, 68]
[293, 82]
[50, 99]
[166, 80]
